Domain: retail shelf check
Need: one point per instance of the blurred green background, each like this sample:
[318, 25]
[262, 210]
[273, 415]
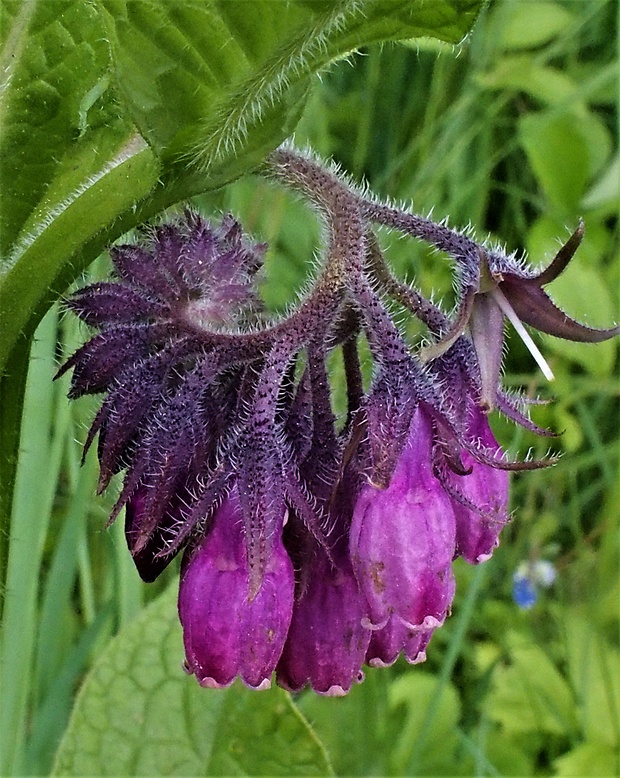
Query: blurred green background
[516, 134]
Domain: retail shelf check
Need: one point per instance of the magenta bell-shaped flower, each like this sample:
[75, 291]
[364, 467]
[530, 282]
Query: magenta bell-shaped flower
[326, 643]
[480, 499]
[225, 633]
[403, 540]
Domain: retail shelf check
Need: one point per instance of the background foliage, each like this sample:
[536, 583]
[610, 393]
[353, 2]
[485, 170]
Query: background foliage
[515, 132]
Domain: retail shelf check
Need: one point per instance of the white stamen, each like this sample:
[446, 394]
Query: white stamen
[508, 311]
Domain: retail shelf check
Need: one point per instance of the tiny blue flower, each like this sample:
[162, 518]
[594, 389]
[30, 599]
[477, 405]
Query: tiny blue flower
[524, 593]
[528, 579]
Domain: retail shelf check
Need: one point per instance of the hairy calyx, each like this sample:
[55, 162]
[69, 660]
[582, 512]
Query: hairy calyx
[310, 548]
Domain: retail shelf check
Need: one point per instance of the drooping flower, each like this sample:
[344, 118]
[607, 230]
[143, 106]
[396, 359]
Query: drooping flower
[228, 632]
[403, 540]
[327, 640]
[311, 546]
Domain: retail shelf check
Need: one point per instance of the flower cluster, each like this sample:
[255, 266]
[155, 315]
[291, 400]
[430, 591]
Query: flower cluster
[312, 545]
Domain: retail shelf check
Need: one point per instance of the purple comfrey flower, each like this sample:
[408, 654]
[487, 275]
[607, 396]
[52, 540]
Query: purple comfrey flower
[403, 540]
[312, 546]
[327, 640]
[228, 632]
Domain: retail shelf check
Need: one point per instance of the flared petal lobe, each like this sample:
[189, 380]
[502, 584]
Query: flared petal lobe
[225, 633]
[395, 637]
[403, 539]
[534, 307]
[326, 642]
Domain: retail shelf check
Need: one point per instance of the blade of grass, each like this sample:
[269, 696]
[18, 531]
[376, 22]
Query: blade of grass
[591, 428]
[29, 525]
[129, 588]
[12, 389]
[57, 606]
[86, 583]
[50, 720]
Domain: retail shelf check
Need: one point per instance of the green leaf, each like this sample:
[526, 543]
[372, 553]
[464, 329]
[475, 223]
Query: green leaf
[212, 80]
[353, 727]
[53, 56]
[138, 713]
[606, 191]
[527, 25]
[522, 73]
[414, 693]
[565, 151]
[595, 674]
[530, 695]
[590, 758]
[558, 154]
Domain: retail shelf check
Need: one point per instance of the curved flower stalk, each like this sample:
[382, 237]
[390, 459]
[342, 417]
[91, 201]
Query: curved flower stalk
[310, 546]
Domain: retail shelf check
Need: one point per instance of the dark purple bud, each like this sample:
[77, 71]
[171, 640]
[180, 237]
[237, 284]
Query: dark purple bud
[226, 631]
[132, 396]
[136, 265]
[403, 539]
[153, 557]
[99, 361]
[326, 643]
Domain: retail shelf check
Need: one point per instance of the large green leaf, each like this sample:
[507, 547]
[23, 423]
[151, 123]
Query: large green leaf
[138, 713]
[219, 81]
[54, 60]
